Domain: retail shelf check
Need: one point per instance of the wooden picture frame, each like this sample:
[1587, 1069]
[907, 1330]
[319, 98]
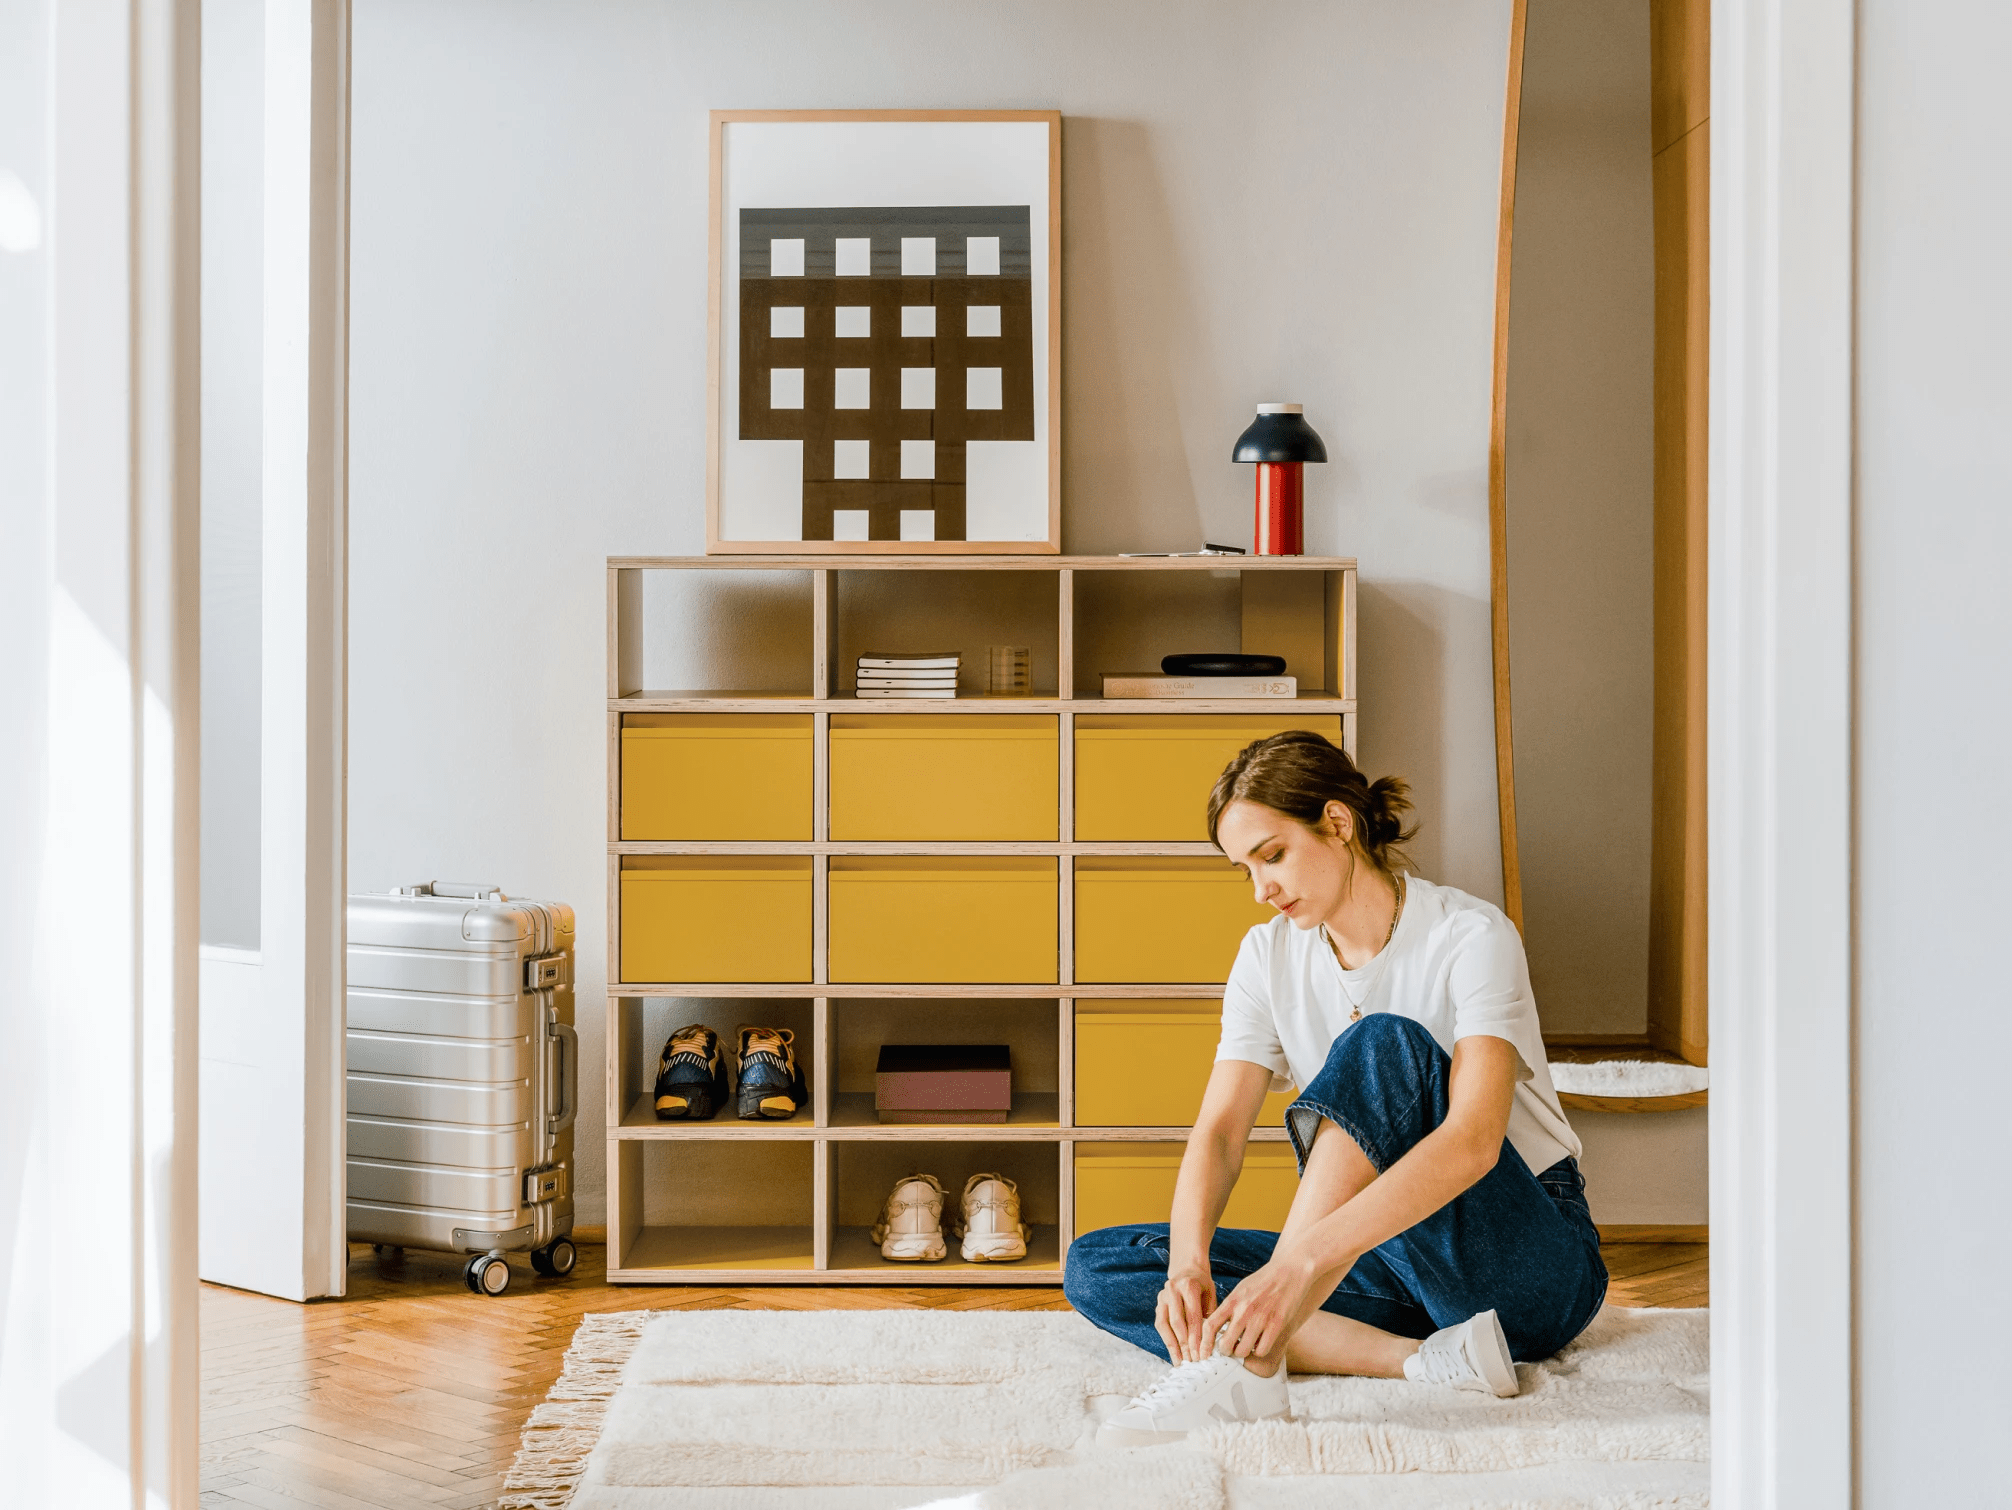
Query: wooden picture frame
[816, 457]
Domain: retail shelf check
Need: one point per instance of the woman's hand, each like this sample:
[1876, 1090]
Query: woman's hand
[1181, 1315]
[1256, 1318]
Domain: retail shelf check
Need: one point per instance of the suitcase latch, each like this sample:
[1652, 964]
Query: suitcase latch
[545, 970]
[544, 1185]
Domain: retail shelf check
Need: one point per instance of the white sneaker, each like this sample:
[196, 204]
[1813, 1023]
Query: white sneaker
[1196, 1395]
[993, 1231]
[911, 1227]
[1473, 1355]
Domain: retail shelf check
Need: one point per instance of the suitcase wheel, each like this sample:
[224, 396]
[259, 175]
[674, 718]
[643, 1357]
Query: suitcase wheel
[487, 1274]
[556, 1258]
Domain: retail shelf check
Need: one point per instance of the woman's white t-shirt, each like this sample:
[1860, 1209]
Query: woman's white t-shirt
[1455, 965]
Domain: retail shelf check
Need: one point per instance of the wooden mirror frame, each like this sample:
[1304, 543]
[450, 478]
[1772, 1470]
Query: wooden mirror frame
[1680, 136]
[1498, 482]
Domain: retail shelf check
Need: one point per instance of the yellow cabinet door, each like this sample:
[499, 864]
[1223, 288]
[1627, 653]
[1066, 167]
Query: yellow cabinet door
[1146, 1063]
[1147, 776]
[1129, 1184]
[1160, 918]
[716, 918]
[963, 921]
[711, 776]
[919, 776]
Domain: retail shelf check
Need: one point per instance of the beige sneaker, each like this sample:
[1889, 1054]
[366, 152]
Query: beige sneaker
[911, 1228]
[993, 1231]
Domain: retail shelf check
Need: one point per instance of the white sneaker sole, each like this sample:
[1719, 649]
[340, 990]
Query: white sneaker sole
[999, 1249]
[1491, 1352]
[1128, 1436]
[912, 1249]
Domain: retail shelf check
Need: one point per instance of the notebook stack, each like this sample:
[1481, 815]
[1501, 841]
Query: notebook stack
[925, 673]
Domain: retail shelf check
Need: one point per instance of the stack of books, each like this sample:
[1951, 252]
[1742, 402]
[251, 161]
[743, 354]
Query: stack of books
[924, 673]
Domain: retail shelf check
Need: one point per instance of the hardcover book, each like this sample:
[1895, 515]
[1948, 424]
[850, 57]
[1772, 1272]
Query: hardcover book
[921, 660]
[1143, 684]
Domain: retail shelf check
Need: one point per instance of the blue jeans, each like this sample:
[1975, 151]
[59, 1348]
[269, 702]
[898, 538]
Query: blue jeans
[1521, 1244]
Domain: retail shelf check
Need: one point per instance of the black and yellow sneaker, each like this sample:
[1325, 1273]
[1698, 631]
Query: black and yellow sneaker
[771, 1081]
[692, 1075]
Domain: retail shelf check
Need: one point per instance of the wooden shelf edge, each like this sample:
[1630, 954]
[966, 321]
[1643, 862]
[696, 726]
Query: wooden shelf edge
[695, 701]
[919, 1274]
[1199, 849]
[903, 990]
[1572, 1101]
[640, 1123]
[1036, 558]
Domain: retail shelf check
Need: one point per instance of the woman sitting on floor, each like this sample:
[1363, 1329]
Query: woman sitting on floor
[1439, 1197]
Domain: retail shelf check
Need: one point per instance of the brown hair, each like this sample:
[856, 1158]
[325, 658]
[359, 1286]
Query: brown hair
[1298, 773]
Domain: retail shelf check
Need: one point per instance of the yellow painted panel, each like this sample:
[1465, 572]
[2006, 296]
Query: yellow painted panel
[724, 776]
[1144, 776]
[716, 918]
[964, 921]
[1146, 1063]
[1123, 1184]
[944, 776]
[1160, 918]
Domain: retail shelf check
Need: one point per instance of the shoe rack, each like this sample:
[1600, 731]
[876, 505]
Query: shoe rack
[728, 1201]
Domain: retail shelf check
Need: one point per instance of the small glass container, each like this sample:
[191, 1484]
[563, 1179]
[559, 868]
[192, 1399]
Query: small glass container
[1011, 675]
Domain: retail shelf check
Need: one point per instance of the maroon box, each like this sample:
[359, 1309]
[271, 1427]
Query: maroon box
[955, 1082]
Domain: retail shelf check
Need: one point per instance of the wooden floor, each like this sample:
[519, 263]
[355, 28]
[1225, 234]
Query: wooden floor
[408, 1393]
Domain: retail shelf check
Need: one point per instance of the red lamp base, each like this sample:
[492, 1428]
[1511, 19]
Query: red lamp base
[1281, 509]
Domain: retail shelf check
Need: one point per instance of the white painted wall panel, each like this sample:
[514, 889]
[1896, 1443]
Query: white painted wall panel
[1245, 219]
[1934, 693]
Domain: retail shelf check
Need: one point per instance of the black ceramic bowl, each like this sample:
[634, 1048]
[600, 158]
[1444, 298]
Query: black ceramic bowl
[1223, 663]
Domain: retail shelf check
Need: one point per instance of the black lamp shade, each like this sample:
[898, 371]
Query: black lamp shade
[1279, 437]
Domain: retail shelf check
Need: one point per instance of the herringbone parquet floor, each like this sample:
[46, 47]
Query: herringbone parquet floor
[408, 1394]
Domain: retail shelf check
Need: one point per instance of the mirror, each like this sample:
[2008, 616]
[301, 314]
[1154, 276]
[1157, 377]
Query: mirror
[1597, 507]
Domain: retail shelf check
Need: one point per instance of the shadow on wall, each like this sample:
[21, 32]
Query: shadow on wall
[1127, 314]
[1404, 693]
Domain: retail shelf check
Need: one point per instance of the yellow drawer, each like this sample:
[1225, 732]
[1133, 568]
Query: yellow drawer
[1160, 918]
[1123, 1184]
[1146, 776]
[952, 920]
[716, 776]
[716, 917]
[944, 776]
[1146, 1063]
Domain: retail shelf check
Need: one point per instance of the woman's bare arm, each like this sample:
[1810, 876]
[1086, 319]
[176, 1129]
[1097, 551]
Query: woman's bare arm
[1209, 1170]
[1261, 1314]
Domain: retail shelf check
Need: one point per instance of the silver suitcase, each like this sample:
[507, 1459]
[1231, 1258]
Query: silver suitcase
[463, 1076]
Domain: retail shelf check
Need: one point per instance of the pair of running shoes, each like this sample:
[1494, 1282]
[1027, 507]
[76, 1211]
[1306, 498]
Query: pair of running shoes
[692, 1075]
[911, 1228]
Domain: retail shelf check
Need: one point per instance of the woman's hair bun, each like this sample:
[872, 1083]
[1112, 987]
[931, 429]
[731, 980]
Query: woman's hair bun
[1298, 773]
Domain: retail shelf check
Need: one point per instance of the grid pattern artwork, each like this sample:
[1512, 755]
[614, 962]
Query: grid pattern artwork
[885, 340]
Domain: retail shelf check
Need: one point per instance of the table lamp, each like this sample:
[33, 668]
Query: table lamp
[1280, 441]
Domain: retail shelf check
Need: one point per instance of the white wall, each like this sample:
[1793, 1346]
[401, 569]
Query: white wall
[1934, 1148]
[1286, 200]
[1582, 511]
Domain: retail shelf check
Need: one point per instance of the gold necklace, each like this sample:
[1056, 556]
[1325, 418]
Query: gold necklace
[1396, 911]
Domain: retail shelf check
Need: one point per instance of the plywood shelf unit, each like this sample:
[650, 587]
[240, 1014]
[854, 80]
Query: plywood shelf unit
[727, 1201]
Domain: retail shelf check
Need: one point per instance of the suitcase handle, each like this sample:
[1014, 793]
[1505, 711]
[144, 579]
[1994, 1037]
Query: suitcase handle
[569, 1060]
[466, 891]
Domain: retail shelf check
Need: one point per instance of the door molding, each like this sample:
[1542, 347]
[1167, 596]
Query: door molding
[1780, 739]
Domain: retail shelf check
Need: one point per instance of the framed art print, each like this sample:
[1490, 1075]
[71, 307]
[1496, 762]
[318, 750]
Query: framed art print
[885, 332]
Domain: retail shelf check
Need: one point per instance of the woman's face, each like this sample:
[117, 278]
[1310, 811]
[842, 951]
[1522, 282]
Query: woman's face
[1301, 873]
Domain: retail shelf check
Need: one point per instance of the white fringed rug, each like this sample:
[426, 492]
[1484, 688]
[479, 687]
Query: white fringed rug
[979, 1410]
